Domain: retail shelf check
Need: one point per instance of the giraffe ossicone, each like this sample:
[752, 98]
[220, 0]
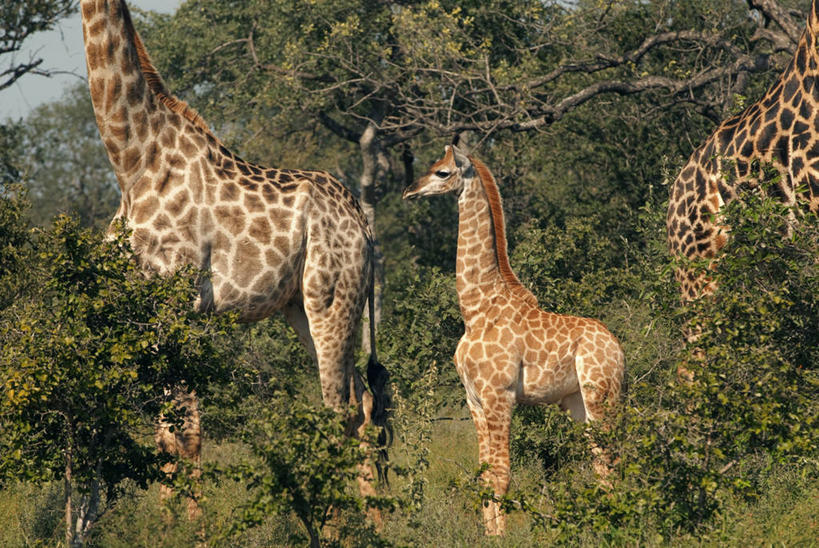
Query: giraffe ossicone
[271, 239]
[512, 351]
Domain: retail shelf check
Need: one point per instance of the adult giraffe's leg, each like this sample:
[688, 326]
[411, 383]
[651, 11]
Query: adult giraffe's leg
[184, 443]
[332, 307]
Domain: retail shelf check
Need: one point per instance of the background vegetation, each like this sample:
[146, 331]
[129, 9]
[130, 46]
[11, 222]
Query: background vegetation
[584, 111]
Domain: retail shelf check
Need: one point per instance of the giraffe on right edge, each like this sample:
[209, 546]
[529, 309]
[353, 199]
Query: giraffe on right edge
[512, 351]
[780, 130]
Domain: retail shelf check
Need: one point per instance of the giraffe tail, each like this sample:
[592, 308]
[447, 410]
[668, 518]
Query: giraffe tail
[378, 379]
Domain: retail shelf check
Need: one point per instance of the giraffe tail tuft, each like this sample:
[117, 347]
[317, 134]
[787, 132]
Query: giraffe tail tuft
[378, 378]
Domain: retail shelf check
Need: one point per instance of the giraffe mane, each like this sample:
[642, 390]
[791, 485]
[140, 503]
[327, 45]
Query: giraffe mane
[496, 210]
[154, 80]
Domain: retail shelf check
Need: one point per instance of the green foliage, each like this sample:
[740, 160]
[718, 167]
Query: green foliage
[14, 207]
[421, 331]
[759, 377]
[309, 463]
[85, 359]
[685, 450]
[67, 168]
[413, 416]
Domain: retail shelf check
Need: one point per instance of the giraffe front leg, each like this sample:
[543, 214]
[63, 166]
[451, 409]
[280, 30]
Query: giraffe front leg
[466, 369]
[479, 419]
[183, 443]
[498, 423]
[491, 409]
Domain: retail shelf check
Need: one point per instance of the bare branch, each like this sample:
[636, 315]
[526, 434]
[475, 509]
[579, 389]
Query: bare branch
[773, 11]
[743, 64]
[342, 131]
[636, 55]
[11, 75]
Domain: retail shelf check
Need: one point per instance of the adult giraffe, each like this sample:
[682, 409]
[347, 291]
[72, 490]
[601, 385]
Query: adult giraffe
[512, 351]
[271, 239]
[780, 130]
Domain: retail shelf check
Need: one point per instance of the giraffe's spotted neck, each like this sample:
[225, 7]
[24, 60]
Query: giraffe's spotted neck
[482, 268]
[131, 103]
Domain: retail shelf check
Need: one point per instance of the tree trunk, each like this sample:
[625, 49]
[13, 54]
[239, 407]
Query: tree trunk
[69, 534]
[375, 166]
[87, 512]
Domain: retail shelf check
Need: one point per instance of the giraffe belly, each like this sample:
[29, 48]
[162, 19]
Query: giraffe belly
[546, 383]
[268, 294]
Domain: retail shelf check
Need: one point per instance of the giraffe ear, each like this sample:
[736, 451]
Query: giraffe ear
[461, 159]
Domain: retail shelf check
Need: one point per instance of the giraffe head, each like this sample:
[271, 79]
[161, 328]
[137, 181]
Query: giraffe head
[445, 175]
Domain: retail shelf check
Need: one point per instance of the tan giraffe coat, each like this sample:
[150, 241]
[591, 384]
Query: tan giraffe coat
[512, 351]
[271, 239]
[780, 130]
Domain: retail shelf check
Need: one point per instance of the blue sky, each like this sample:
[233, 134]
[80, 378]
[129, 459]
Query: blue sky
[61, 49]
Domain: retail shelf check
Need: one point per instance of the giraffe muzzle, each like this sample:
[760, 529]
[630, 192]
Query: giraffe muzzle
[411, 192]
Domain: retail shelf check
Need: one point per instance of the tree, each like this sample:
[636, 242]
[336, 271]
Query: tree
[386, 77]
[67, 169]
[14, 209]
[84, 363]
[406, 67]
[19, 19]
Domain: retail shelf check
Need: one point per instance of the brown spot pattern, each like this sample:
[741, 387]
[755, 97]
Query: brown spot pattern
[779, 130]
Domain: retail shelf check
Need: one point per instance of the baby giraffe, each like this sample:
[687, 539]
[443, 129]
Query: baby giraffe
[511, 351]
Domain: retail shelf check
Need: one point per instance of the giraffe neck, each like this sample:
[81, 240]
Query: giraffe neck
[805, 63]
[770, 130]
[482, 268]
[129, 98]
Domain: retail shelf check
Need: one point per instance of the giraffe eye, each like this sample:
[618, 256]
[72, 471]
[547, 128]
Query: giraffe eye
[442, 174]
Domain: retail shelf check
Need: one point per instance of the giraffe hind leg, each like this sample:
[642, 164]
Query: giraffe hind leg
[185, 442]
[596, 394]
[333, 316]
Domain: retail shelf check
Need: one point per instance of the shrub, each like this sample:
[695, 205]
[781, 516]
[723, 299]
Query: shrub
[85, 359]
[683, 449]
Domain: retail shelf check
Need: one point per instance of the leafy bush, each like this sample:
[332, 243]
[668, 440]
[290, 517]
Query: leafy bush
[421, 330]
[85, 360]
[309, 463]
[683, 449]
